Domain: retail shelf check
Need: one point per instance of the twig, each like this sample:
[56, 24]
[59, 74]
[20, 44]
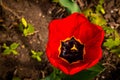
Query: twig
[80, 3]
[43, 74]
[108, 64]
[8, 9]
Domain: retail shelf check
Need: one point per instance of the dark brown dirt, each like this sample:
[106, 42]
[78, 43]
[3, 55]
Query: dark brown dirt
[39, 13]
[23, 65]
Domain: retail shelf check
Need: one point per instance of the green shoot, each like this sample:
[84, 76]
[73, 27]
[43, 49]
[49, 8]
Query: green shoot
[16, 78]
[99, 7]
[55, 1]
[10, 49]
[89, 73]
[36, 55]
[26, 28]
[96, 16]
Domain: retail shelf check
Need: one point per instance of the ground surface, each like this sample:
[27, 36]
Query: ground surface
[39, 13]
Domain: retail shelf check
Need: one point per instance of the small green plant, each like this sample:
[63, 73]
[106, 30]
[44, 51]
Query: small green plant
[95, 16]
[36, 55]
[89, 73]
[112, 42]
[16, 78]
[10, 49]
[55, 1]
[99, 7]
[26, 28]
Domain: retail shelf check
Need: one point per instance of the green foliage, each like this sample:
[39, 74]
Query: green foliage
[99, 7]
[87, 74]
[10, 49]
[26, 28]
[70, 5]
[96, 16]
[113, 42]
[36, 55]
[55, 1]
[108, 30]
[16, 78]
[84, 75]
[55, 75]
[24, 22]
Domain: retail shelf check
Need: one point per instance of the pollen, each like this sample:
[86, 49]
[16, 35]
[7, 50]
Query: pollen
[71, 50]
[74, 48]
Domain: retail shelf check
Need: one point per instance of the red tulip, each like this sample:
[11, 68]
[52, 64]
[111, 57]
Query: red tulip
[74, 44]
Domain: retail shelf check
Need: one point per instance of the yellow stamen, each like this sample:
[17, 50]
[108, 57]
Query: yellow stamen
[74, 48]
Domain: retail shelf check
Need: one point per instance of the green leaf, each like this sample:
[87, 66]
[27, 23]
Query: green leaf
[5, 46]
[86, 74]
[97, 18]
[55, 1]
[117, 50]
[14, 52]
[71, 5]
[16, 78]
[99, 8]
[38, 58]
[7, 51]
[39, 53]
[25, 32]
[87, 12]
[14, 46]
[33, 52]
[29, 30]
[117, 42]
[21, 28]
[55, 75]
[24, 22]
[117, 35]
[10, 49]
[108, 30]
[119, 55]
[97, 68]
[36, 55]
[101, 2]
[109, 43]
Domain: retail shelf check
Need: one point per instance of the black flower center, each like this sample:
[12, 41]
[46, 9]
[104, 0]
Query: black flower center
[71, 50]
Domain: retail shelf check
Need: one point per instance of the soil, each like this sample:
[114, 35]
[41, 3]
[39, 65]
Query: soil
[39, 13]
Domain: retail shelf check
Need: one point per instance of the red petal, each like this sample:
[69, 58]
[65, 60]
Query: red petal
[78, 26]
[90, 34]
[93, 55]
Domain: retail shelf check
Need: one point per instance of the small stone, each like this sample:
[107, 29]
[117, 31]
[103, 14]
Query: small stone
[113, 25]
[107, 16]
[112, 11]
[49, 12]
[43, 16]
[103, 77]
[23, 46]
[40, 14]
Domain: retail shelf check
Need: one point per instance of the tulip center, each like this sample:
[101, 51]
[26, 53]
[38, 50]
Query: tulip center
[71, 50]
